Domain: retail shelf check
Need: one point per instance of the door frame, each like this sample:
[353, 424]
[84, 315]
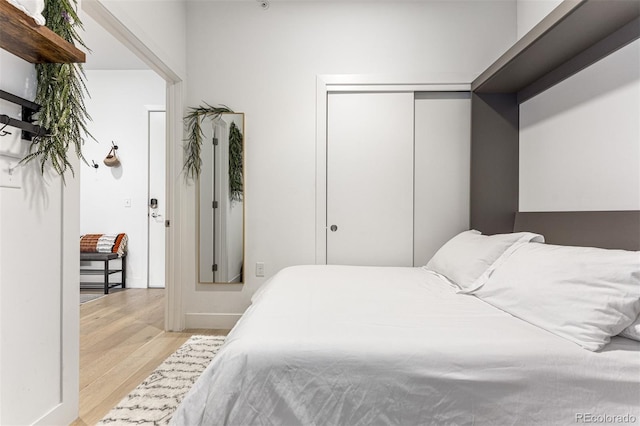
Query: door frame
[173, 318]
[333, 83]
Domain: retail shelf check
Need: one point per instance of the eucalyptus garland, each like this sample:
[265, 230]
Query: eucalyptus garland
[235, 163]
[193, 147]
[60, 93]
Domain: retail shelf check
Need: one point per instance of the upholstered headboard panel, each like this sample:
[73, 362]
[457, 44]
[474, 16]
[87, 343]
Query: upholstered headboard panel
[605, 229]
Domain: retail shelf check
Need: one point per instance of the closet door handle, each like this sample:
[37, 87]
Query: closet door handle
[334, 228]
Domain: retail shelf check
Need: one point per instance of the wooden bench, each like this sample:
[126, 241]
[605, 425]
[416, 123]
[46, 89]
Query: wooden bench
[105, 271]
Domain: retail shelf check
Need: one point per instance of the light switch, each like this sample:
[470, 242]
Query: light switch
[10, 172]
[259, 269]
[127, 202]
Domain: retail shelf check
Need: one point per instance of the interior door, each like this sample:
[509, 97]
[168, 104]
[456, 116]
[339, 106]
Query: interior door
[370, 178]
[157, 191]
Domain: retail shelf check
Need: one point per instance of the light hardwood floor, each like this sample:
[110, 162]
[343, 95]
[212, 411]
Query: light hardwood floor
[121, 342]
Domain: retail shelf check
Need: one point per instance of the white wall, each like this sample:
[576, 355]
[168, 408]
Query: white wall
[530, 12]
[118, 107]
[39, 304]
[270, 74]
[579, 140]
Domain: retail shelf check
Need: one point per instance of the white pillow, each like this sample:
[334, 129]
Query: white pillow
[468, 259]
[583, 294]
[633, 331]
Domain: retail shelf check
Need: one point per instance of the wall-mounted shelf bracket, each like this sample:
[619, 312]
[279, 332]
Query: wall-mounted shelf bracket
[29, 109]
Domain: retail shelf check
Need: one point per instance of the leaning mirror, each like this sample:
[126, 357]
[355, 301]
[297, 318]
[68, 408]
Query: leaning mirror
[221, 200]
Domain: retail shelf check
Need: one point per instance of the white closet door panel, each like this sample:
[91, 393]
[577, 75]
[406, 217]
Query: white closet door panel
[370, 178]
[442, 163]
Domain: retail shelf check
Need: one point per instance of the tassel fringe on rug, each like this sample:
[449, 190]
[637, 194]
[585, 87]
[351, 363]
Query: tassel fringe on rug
[155, 400]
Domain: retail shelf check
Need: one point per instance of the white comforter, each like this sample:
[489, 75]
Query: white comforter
[341, 345]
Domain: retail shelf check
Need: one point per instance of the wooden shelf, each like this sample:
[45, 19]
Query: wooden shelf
[572, 37]
[20, 35]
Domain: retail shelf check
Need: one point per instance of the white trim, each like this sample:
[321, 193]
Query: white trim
[211, 321]
[397, 80]
[401, 88]
[173, 313]
[440, 82]
[321, 169]
[174, 320]
[155, 108]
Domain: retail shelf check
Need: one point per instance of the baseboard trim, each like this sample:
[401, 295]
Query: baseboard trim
[221, 321]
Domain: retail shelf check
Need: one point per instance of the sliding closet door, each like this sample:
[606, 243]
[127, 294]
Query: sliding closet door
[370, 178]
[442, 164]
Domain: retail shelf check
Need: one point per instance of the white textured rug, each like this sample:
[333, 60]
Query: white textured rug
[155, 400]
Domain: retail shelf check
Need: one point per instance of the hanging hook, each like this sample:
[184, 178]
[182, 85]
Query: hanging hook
[94, 165]
[114, 145]
[4, 132]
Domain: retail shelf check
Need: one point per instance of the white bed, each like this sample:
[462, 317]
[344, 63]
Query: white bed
[338, 345]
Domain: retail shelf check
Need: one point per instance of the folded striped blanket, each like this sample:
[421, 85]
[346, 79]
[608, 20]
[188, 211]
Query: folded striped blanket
[104, 243]
[89, 243]
[120, 245]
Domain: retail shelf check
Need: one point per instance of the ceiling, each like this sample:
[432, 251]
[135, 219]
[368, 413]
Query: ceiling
[106, 53]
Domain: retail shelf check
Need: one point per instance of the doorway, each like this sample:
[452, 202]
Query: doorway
[173, 99]
[115, 200]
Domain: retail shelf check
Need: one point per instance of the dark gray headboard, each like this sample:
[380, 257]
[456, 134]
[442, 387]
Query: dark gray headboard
[605, 229]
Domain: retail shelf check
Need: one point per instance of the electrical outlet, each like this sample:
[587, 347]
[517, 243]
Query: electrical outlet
[259, 269]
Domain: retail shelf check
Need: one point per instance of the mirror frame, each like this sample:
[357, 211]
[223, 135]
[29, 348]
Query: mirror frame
[199, 202]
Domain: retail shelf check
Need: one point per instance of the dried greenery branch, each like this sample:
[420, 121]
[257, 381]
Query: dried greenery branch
[235, 163]
[193, 146]
[60, 93]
